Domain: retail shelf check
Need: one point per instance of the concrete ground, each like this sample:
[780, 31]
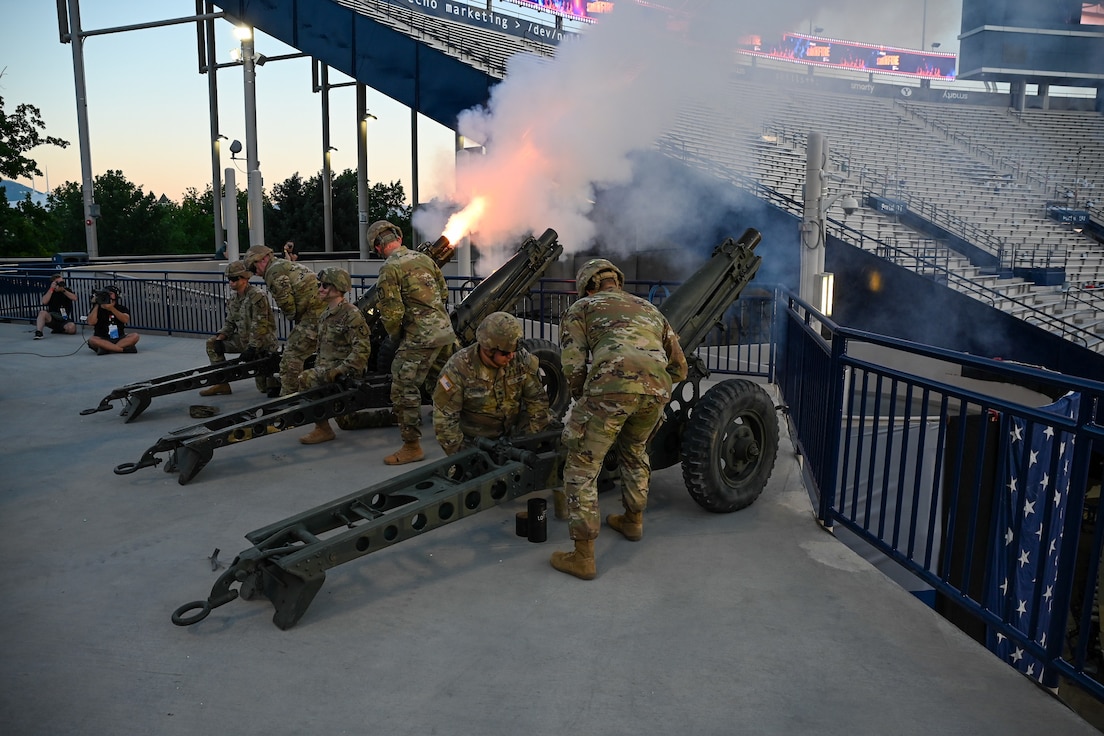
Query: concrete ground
[752, 622]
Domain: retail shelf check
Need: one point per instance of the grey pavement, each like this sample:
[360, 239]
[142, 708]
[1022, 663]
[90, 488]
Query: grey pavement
[755, 622]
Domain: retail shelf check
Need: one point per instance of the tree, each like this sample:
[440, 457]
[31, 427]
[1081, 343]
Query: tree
[297, 212]
[19, 133]
[188, 227]
[24, 229]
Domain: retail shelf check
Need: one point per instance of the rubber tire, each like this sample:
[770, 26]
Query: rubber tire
[723, 473]
[552, 375]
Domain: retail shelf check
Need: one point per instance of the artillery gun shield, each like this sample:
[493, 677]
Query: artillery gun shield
[729, 446]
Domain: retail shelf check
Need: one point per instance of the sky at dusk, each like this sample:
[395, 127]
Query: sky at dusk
[148, 105]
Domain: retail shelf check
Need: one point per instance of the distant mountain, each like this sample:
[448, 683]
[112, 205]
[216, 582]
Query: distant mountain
[16, 192]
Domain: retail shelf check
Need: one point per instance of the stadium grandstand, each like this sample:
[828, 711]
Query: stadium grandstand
[957, 154]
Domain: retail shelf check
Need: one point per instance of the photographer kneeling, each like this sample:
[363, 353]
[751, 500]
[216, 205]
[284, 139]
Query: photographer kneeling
[108, 319]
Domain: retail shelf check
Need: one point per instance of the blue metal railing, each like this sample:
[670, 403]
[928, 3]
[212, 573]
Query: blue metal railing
[914, 449]
[194, 303]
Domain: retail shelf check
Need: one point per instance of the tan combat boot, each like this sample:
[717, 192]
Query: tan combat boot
[579, 563]
[410, 452]
[322, 432]
[630, 524]
[217, 389]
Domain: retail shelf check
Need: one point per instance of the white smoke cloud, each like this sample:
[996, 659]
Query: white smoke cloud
[555, 130]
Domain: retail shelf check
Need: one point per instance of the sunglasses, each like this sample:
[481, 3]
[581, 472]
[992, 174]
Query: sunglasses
[325, 285]
[232, 279]
[503, 353]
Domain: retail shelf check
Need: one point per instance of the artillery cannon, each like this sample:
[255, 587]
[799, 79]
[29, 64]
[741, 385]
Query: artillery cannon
[727, 440]
[137, 396]
[190, 448]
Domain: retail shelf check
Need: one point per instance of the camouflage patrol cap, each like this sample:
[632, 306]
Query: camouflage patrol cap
[499, 331]
[256, 253]
[382, 232]
[237, 268]
[336, 277]
[593, 272]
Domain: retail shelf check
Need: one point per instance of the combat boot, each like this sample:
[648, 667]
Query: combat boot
[630, 524]
[410, 452]
[322, 432]
[579, 563]
[217, 389]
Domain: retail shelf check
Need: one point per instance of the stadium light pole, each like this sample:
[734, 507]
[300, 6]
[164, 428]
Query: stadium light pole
[76, 41]
[812, 225]
[249, 60]
[363, 116]
[924, 28]
[817, 287]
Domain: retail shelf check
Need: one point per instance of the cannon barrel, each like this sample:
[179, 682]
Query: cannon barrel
[509, 282]
[701, 301]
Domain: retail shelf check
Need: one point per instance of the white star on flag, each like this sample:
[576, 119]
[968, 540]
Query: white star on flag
[1025, 533]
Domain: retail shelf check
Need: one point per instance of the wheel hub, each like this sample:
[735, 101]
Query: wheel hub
[743, 448]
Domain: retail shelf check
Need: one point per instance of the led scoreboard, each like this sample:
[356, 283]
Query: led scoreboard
[854, 55]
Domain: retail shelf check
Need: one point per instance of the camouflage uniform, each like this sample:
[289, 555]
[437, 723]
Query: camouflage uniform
[249, 323]
[635, 360]
[294, 287]
[412, 298]
[344, 344]
[473, 400]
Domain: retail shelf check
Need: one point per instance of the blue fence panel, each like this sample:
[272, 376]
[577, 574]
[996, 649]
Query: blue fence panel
[182, 303]
[981, 496]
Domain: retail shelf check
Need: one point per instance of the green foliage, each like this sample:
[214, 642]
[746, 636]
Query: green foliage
[23, 229]
[297, 212]
[20, 132]
[133, 222]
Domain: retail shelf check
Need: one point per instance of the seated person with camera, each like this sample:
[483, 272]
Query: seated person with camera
[108, 319]
[57, 309]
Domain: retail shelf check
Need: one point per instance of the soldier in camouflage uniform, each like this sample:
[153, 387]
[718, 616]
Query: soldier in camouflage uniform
[249, 329]
[635, 361]
[294, 287]
[412, 299]
[490, 389]
[344, 343]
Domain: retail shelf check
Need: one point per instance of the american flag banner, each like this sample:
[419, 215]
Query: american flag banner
[1027, 533]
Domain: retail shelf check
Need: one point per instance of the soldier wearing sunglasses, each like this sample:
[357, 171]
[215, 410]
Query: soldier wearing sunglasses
[249, 329]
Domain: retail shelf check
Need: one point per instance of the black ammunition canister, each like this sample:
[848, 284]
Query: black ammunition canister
[538, 520]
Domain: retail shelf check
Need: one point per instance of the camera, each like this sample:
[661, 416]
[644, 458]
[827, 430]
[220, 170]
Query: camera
[849, 205]
[101, 297]
[59, 284]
